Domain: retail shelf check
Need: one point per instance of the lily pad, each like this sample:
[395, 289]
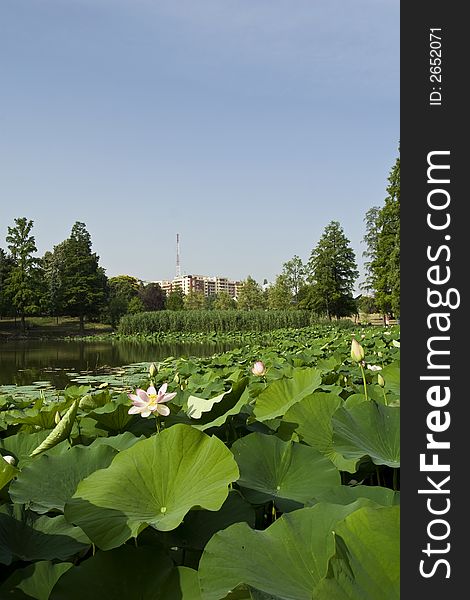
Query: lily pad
[155, 482]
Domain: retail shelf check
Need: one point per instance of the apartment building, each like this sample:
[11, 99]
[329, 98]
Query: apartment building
[209, 286]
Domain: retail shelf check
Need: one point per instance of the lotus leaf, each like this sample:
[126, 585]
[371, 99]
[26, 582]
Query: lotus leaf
[280, 469]
[155, 482]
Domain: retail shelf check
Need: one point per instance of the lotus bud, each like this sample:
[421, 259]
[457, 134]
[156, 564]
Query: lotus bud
[357, 351]
[380, 380]
[9, 459]
[153, 370]
[57, 418]
[259, 369]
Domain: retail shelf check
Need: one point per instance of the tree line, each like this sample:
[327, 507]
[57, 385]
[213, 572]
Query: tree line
[70, 281]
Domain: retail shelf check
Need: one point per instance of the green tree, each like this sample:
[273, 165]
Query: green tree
[367, 305]
[175, 300]
[280, 294]
[333, 271]
[83, 282]
[383, 247]
[135, 305]
[194, 301]
[251, 295]
[52, 263]
[152, 296]
[6, 265]
[294, 273]
[122, 290]
[224, 301]
[23, 281]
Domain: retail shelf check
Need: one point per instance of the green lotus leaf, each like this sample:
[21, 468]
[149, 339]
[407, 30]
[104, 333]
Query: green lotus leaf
[313, 418]
[182, 584]
[155, 482]
[391, 376]
[22, 444]
[34, 581]
[366, 565]
[7, 472]
[368, 429]
[60, 432]
[229, 403]
[26, 536]
[280, 469]
[48, 482]
[113, 416]
[200, 525]
[281, 394]
[197, 406]
[125, 572]
[286, 560]
[119, 442]
[344, 494]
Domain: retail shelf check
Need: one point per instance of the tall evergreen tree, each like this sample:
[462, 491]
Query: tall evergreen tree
[52, 263]
[6, 265]
[83, 281]
[332, 272]
[383, 247]
[23, 281]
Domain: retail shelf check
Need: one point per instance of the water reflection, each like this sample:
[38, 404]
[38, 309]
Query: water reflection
[23, 362]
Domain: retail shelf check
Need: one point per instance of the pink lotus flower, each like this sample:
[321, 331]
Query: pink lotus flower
[259, 369]
[150, 401]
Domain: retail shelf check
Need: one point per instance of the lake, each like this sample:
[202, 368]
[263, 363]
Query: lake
[26, 361]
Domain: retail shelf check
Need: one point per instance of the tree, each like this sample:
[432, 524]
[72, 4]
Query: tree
[22, 283]
[52, 263]
[135, 305]
[194, 301]
[251, 295]
[367, 305]
[224, 301]
[294, 273]
[333, 271]
[153, 297]
[83, 282]
[6, 265]
[383, 247]
[280, 294]
[175, 300]
[123, 289]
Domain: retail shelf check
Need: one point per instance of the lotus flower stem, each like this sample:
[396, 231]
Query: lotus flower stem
[395, 480]
[364, 380]
[377, 472]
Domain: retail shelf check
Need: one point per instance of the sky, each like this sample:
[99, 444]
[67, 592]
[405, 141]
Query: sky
[245, 126]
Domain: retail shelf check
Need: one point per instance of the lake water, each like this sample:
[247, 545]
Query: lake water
[24, 362]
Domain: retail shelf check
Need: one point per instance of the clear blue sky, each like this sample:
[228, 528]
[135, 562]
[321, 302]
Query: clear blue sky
[246, 126]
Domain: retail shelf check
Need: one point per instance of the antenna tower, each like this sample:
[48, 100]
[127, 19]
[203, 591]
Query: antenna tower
[178, 266]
